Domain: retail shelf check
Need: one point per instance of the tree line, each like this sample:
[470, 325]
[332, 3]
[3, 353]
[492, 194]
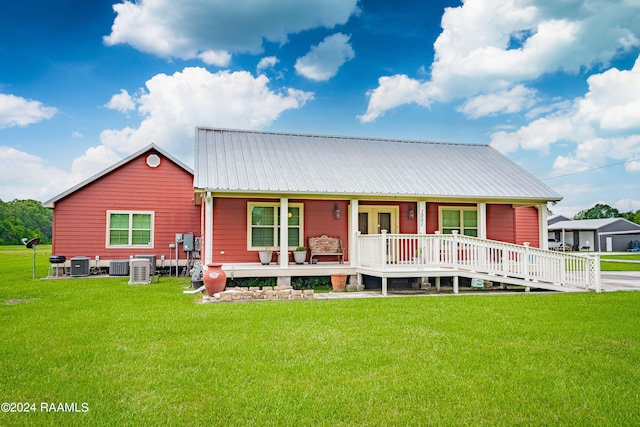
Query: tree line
[605, 211]
[24, 219]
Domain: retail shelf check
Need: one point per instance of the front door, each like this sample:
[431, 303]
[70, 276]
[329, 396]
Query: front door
[374, 219]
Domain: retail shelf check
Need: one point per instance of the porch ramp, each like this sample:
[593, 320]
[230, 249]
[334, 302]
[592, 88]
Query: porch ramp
[452, 255]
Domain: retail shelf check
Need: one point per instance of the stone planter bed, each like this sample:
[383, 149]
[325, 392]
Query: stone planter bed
[266, 293]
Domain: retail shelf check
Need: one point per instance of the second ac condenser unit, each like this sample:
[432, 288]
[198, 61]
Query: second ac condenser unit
[139, 269]
[119, 268]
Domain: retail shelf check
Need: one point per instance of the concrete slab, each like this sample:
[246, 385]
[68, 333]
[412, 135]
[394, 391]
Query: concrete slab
[620, 281]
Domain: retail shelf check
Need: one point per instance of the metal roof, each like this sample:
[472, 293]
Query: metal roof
[151, 147]
[266, 162]
[591, 224]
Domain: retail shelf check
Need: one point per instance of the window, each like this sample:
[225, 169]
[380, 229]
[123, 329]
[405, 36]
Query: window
[130, 229]
[463, 219]
[264, 225]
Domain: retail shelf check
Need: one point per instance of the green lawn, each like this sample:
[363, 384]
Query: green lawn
[148, 355]
[620, 266]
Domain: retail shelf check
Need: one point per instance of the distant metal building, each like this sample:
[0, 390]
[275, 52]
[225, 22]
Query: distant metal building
[600, 235]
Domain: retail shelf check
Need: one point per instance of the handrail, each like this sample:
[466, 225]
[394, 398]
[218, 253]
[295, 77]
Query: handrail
[407, 251]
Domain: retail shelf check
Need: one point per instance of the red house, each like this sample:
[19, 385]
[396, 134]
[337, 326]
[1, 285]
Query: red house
[399, 209]
[384, 199]
[137, 206]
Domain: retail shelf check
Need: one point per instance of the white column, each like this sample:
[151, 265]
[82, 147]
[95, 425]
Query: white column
[543, 226]
[284, 232]
[208, 230]
[353, 234]
[482, 220]
[422, 217]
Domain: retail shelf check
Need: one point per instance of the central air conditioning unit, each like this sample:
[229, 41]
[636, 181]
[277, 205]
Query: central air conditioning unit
[152, 261]
[79, 266]
[119, 267]
[139, 269]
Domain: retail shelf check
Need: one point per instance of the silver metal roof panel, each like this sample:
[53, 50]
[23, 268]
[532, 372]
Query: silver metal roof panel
[250, 161]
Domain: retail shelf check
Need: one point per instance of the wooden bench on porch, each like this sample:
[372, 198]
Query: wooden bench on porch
[325, 245]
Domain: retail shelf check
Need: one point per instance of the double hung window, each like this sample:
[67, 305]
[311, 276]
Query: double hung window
[462, 219]
[264, 225]
[129, 229]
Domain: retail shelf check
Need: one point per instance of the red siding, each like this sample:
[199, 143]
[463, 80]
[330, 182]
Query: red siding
[230, 226]
[230, 223]
[501, 223]
[527, 230]
[79, 225]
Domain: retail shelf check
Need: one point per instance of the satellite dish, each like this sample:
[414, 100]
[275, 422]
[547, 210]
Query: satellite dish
[33, 242]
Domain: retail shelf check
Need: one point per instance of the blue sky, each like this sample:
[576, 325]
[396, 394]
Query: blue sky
[553, 85]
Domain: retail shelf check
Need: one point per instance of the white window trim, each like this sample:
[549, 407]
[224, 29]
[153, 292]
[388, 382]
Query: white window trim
[130, 213]
[275, 205]
[460, 209]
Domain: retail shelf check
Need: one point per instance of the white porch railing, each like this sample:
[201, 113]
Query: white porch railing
[419, 251]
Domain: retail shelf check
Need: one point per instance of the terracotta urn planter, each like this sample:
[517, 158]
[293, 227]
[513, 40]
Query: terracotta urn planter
[214, 279]
[338, 282]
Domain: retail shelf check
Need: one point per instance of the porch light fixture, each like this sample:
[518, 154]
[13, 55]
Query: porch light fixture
[336, 211]
[412, 213]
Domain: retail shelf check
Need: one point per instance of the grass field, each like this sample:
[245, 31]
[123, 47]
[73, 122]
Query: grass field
[620, 266]
[149, 355]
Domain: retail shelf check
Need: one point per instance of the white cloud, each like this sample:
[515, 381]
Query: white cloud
[633, 166]
[508, 101]
[174, 105]
[36, 180]
[489, 46]
[218, 58]
[77, 134]
[122, 102]
[613, 100]
[26, 176]
[626, 205]
[324, 60]
[393, 92]
[267, 62]
[94, 160]
[213, 29]
[17, 111]
[603, 124]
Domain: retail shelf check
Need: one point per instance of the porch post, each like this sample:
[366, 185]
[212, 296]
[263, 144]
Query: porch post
[208, 230]
[543, 226]
[422, 217]
[284, 232]
[482, 220]
[353, 234]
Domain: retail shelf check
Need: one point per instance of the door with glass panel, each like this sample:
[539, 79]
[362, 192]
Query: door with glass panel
[374, 219]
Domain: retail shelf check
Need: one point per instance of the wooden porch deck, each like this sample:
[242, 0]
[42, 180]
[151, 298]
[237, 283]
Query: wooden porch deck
[435, 256]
